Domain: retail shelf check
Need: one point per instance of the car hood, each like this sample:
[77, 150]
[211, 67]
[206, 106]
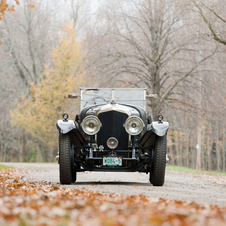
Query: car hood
[129, 110]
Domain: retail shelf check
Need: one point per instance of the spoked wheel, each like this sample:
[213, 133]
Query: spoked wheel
[157, 174]
[66, 160]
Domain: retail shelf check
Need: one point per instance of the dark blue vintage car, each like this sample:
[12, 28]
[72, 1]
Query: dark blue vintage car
[112, 132]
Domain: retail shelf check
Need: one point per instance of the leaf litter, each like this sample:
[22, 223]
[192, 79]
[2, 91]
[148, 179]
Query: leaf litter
[24, 202]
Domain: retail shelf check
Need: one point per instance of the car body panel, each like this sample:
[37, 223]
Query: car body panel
[69, 126]
[159, 128]
[65, 126]
[155, 128]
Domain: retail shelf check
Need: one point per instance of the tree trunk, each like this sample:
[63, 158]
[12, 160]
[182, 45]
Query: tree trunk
[187, 152]
[4, 154]
[194, 153]
[217, 147]
[199, 148]
[178, 156]
[22, 148]
[223, 150]
[49, 153]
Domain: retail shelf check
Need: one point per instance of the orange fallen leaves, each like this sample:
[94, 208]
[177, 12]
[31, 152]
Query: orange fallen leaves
[25, 202]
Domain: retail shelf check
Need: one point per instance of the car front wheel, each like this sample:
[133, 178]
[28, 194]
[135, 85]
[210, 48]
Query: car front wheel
[73, 166]
[65, 159]
[157, 175]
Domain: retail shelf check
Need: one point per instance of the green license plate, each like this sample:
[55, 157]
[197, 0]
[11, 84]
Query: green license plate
[112, 161]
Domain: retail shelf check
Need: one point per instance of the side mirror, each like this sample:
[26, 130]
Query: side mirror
[73, 95]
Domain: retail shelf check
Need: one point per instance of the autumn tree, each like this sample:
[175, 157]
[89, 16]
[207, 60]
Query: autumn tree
[28, 35]
[165, 46]
[38, 113]
[4, 6]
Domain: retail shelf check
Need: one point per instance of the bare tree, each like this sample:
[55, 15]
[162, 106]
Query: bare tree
[216, 31]
[158, 45]
[141, 44]
[27, 35]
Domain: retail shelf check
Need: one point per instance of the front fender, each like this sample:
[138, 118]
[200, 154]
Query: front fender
[160, 129]
[65, 126]
[155, 129]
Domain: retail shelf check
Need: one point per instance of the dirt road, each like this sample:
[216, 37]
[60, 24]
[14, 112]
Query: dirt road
[203, 189]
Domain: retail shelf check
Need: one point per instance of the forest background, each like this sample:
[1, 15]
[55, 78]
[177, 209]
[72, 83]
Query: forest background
[174, 48]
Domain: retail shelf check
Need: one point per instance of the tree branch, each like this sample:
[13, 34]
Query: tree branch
[213, 32]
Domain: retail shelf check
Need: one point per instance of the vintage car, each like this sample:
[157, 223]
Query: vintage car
[112, 132]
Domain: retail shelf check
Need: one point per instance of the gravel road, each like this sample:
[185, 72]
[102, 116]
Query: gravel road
[201, 188]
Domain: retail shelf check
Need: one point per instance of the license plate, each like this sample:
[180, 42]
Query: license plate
[112, 161]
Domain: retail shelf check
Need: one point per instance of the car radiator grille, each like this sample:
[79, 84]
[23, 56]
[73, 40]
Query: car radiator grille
[112, 126]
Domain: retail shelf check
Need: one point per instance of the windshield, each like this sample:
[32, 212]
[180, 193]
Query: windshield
[131, 96]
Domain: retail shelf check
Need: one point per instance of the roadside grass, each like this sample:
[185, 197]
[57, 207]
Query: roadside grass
[36, 162]
[55, 162]
[50, 163]
[189, 170]
[5, 167]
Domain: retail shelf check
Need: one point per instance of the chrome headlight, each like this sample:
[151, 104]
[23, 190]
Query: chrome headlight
[91, 125]
[134, 125]
[112, 143]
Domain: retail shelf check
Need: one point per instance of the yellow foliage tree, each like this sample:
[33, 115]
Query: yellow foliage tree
[4, 6]
[37, 114]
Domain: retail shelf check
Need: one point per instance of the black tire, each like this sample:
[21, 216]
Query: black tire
[157, 175]
[73, 166]
[74, 176]
[65, 159]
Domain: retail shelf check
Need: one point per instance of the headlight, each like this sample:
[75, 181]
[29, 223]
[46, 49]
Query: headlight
[91, 125]
[134, 125]
[112, 143]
